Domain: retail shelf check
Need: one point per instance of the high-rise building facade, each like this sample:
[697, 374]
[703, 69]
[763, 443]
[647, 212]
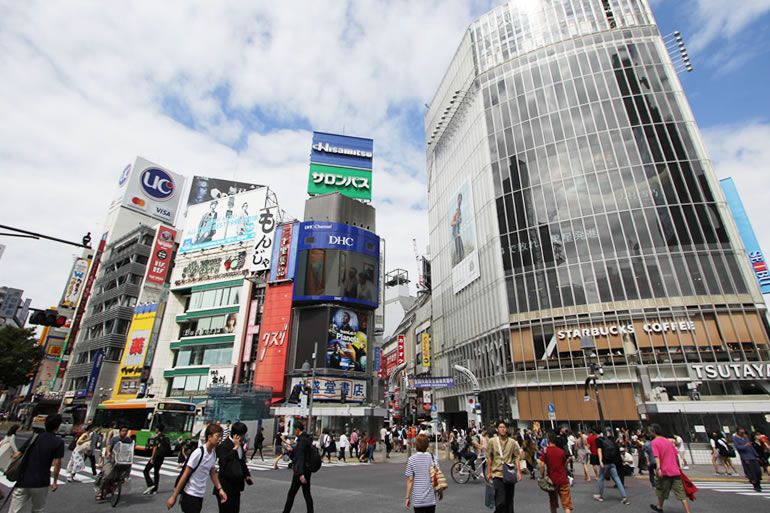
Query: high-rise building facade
[572, 204]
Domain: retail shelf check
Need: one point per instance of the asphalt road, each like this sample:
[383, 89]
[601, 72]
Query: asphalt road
[380, 487]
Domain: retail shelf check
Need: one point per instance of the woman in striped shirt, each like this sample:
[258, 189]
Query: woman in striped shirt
[419, 489]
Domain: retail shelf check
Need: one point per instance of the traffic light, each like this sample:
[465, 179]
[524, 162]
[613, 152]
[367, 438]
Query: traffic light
[343, 397]
[295, 392]
[48, 318]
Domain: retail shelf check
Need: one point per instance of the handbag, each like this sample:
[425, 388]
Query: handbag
[489, 496]
[510, 472]
[13, 472]
[437, 478]
[545, 482]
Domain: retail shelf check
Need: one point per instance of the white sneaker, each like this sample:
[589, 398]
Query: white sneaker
[148, 490]
[686, 468]
[571, 480]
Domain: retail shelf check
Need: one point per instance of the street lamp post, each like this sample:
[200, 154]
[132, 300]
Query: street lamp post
[309, 390]
[588, 346]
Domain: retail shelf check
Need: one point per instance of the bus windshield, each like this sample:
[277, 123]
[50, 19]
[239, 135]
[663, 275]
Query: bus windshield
[134, 419]
[173, 421]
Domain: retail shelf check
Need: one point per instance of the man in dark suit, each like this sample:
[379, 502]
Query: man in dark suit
[301, 476]
[233, 471]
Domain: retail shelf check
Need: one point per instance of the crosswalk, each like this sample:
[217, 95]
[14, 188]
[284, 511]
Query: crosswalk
[743, 488]
[169, 469]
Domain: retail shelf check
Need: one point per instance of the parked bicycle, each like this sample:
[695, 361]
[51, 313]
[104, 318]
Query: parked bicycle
[462, 472]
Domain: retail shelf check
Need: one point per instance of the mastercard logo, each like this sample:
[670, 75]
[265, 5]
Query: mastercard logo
[139, 202]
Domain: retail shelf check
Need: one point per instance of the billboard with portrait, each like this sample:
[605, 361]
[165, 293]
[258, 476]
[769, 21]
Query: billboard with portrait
[463, 245]
[337, 262]
[204, 189]
[346, 348]
[224, 221]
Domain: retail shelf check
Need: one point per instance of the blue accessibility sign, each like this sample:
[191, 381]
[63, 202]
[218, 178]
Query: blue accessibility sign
[551, 408]
[434, 408]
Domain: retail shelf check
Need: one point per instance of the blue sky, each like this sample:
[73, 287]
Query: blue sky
[234, 90]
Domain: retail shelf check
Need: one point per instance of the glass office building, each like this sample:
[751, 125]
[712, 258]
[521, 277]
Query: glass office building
[572, 203]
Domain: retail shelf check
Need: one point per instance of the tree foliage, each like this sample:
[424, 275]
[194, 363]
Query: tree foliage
[19, 353]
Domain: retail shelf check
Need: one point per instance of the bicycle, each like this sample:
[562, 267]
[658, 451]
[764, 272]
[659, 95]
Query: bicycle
[462, 472]
[112, 492]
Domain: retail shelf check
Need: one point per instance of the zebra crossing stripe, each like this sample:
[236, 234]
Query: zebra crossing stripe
[737, 488]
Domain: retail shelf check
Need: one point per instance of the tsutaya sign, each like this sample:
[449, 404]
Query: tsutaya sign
[613, 330]
[728, 371]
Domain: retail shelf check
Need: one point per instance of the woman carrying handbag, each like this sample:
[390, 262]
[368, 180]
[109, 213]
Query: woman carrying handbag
[420, 490]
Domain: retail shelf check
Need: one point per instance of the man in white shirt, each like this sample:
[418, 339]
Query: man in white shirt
[200, 466]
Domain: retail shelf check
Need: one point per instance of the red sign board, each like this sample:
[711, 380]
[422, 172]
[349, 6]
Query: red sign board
[160, 258]
[273, 342]
[389, 363]
[401, 340]
[283, 253]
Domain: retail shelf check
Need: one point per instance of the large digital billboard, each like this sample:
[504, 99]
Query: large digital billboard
[337, 262]
[150, 189]
[346, 347]
[204, 189]
[756, 258]
[225, 221]
[462, 227]
[341, 163]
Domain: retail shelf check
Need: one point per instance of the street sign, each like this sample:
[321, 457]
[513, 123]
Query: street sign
[551, 411]
[434, 409]
[442, 382]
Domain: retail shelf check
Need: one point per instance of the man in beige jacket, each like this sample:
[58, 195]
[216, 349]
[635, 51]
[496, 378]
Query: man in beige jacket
[503, 449]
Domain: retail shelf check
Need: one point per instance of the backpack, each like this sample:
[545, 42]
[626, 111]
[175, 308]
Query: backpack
[609, 450]
[313, 458]
[164, 447]
[181, 472]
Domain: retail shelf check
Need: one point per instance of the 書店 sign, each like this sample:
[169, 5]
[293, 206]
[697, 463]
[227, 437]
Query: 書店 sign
[729, 371]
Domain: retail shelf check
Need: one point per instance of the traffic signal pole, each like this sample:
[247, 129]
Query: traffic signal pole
[34, 235]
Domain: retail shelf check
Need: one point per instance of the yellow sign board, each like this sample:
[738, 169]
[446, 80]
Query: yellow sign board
[425, 350]
[134, 352]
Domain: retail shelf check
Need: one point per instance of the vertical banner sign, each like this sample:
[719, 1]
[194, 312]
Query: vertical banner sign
[378, 361]
[77, 281]
[160, 259]
[263, 247]
[282, 253]
[425, 350]
[274, 336]
[401, 340]
[756, 258]
[93, 377]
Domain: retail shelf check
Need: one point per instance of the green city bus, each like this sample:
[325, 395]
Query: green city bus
[142, 416]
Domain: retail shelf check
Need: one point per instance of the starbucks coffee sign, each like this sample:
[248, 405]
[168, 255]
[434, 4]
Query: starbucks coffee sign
[729, 371]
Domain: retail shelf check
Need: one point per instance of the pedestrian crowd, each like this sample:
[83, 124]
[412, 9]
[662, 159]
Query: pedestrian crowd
[219, 454]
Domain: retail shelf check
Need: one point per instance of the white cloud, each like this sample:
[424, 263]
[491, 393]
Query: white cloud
[742, 152]
[723, 19]
[86, 88]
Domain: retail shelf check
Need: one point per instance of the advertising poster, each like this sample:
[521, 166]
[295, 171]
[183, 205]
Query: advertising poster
[347, 340]
[337, 262]
[390, 362]
[93, 376]
[263, 246]
[331, 389]
[135, 351]
[273, 345]
[77, 281]
[284, 252]
[204, 189]
[160, 259]
[224, 221]
[463, 246]
[425, 350]
[756, 258]
[150, 189]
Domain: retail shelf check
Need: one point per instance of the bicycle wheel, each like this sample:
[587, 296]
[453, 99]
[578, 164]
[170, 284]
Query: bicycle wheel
[460, 473]
[115, 494]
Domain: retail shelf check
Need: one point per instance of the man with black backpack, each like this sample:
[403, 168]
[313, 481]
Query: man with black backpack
[161, 447]
[608, 452]
[302, 468]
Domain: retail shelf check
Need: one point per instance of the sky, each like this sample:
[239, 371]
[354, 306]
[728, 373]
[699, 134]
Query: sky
[235, 89]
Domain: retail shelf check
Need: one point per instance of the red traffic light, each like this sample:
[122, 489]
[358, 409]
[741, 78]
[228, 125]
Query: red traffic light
[48, 318]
